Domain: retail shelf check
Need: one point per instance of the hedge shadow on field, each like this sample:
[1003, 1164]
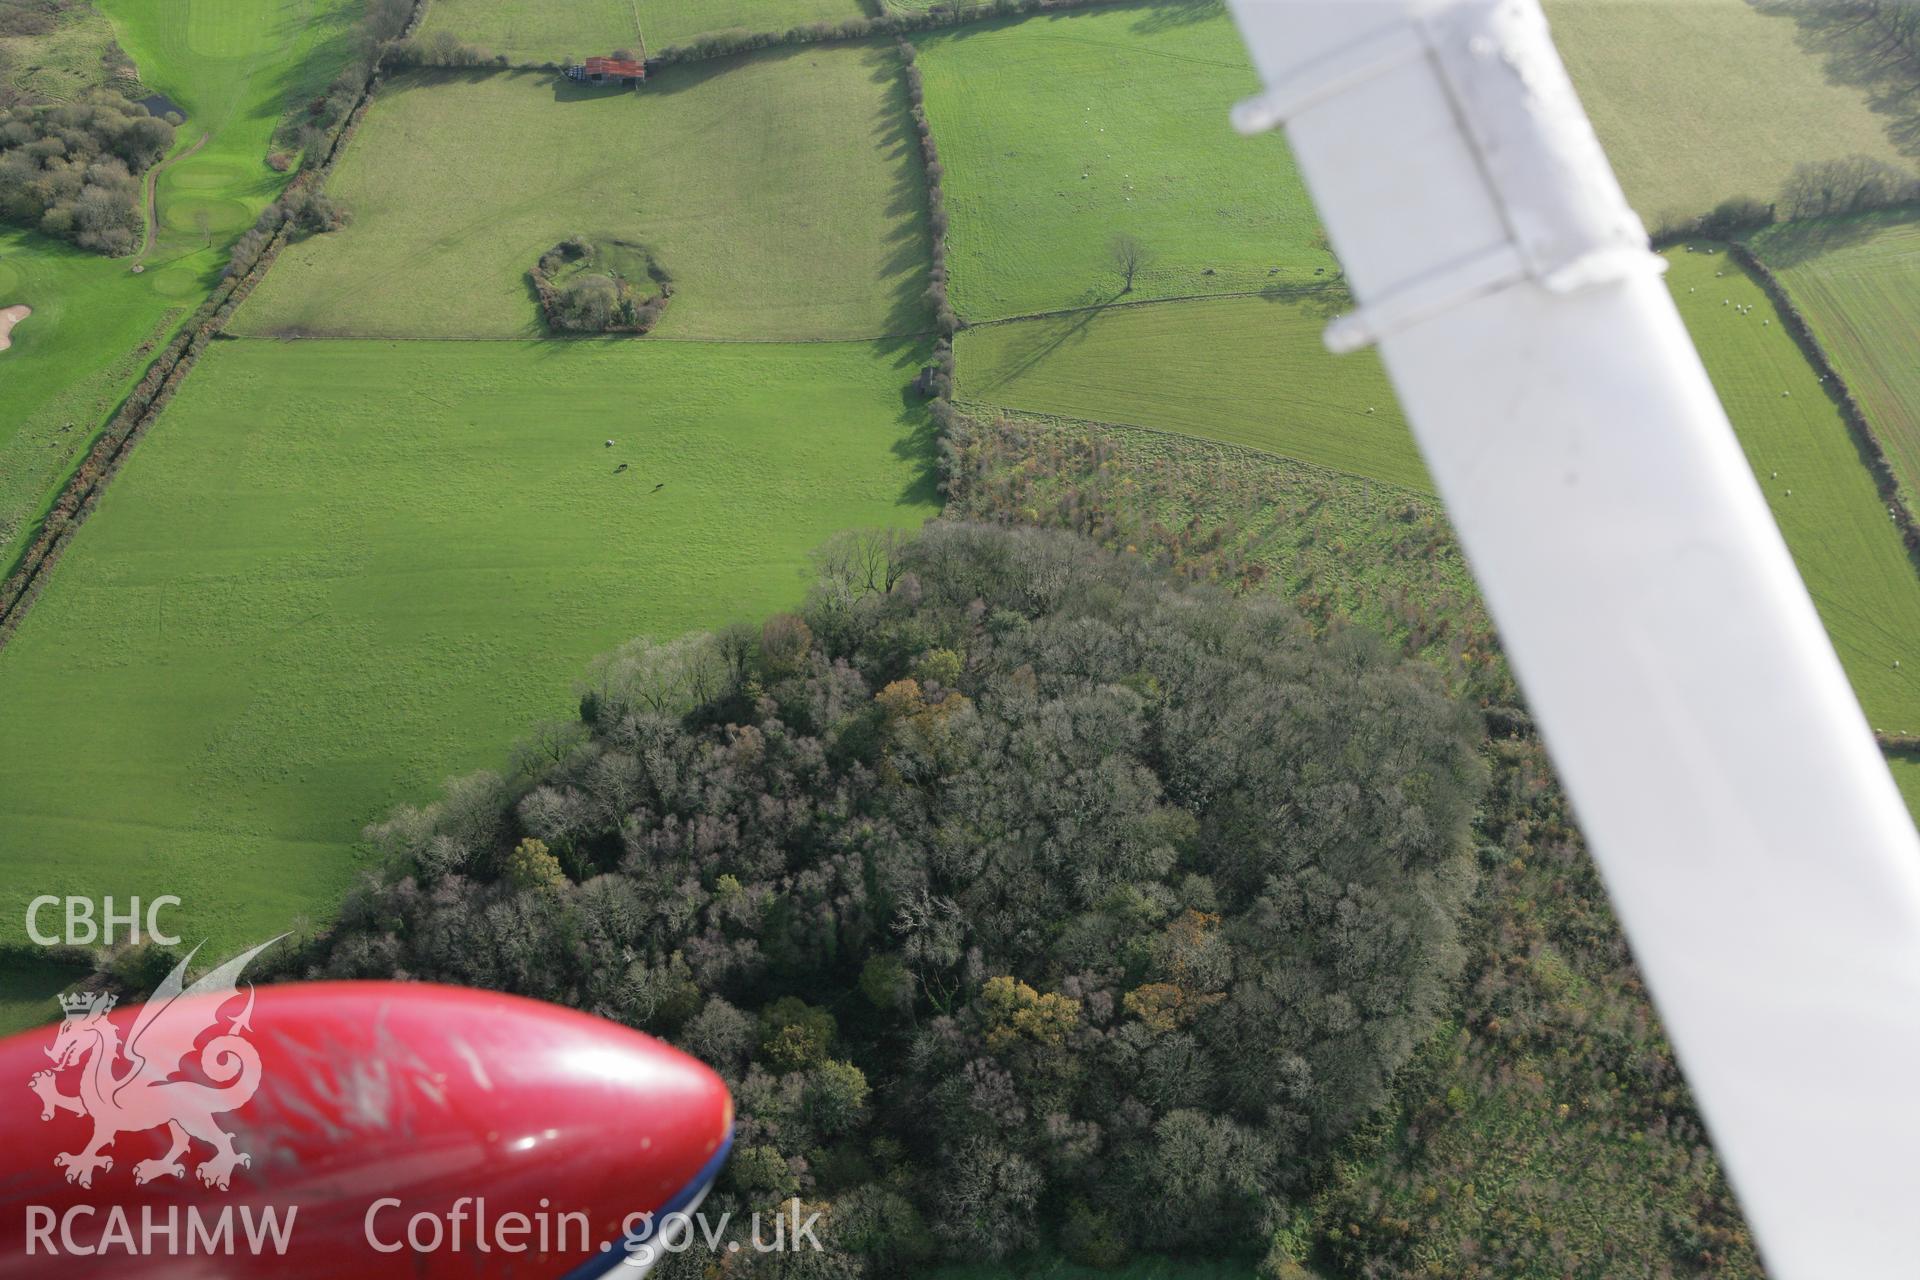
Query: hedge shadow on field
[293, 83]
[1166, 15]
[919, 445]
[909, 213]
[1062, 329]
[1880, 56]
[1155, 16]
[1057, 331]
[1793, 244]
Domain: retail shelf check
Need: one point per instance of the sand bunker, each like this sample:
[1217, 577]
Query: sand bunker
[9, 317]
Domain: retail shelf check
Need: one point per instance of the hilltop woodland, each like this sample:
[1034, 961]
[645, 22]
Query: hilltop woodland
[72, 170]
[1011, 884]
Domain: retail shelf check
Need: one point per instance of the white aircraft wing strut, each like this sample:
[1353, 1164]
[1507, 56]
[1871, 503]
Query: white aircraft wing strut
[1758, 854]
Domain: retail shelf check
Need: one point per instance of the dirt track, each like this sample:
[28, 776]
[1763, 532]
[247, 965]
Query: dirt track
[9, 317]
[150, 197]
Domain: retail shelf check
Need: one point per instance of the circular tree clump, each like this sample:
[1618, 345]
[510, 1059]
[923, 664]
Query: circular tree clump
[588, 286]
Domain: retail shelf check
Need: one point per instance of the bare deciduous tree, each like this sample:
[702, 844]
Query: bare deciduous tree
[863, 561]
[1850, 185]
[1128, 255]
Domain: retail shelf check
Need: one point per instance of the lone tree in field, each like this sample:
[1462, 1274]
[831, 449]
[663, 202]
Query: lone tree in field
[1128, 255]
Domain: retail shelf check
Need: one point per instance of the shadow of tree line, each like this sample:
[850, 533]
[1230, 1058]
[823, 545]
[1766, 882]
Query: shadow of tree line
[1873, 45]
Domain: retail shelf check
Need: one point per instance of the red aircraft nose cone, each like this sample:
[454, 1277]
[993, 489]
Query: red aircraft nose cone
[372, 1128]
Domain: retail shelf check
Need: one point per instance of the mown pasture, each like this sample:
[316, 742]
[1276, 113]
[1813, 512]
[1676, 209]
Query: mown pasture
[1246, 371]
[1059, 133]
[529, 31]
[1847, 547]
[783, 191]
[1857, 282]
[1701, 101]
[337, 572]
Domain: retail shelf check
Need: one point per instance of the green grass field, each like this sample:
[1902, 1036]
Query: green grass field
[1848, 550]
[782, 191]
[667, 22]
[337, 572]
[1701, 100]
[1857, 281]
[538, 30]
[1247, 371]
[27, 990]
[1059, 133]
